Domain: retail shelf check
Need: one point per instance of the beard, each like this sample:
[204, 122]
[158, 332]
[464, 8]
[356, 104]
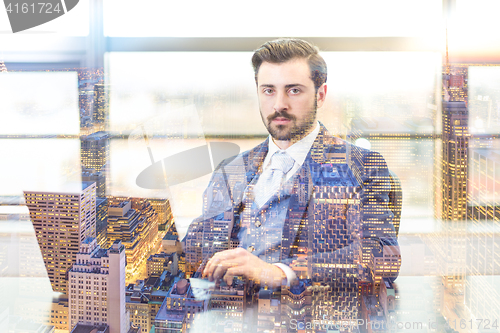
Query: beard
[296, 129]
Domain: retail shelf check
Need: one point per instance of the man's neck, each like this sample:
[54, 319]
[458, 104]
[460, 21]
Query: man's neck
[283, 144]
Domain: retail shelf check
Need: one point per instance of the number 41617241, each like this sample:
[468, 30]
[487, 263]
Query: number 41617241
[480, 324]
[40, 7]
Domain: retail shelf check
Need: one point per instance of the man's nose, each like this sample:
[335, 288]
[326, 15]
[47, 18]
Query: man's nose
[281, 102]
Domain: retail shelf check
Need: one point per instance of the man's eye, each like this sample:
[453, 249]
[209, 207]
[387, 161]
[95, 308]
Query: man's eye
[268, 91]
[294, 91]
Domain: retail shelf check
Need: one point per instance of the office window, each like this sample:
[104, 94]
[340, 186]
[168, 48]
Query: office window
[225, 18]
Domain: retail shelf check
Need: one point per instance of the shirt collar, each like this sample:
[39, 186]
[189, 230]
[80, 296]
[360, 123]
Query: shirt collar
[298, 151]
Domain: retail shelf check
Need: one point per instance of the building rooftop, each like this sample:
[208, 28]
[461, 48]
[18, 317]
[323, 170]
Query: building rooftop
[171, 315]
[153, 281]
[134, 329]
[162, 293]
[120, 204]
[456, 107]
[136, 297]
[96, 136]
[88, 240]
[100, 253]
[162, 255]
[297, 289]
[79, 328]
[86, 184]
[169, 236]
[265, 294]
[99, 201]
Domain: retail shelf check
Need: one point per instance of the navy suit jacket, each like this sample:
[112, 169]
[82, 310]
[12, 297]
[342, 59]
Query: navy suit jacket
[339, 220]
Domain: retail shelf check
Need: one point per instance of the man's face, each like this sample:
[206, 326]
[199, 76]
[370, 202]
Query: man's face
[287, 99]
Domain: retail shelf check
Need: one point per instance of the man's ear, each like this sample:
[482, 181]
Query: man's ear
[321, 95]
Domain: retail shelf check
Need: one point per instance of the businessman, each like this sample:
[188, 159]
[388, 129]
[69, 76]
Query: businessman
[303, 204]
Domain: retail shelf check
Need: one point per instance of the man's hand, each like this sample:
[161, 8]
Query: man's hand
[239, 262]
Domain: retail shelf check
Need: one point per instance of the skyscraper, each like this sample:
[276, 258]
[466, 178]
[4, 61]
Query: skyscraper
[455, 142]
[138, 308]
[453, 197]
[62, 221]
[337, 271]
[101, 221]
[100, 113]
[99, 177]
[86, 103]
[164, 211]
[296, 305]
[454, 171]
[97, 287]
[160, 262]
[95, 151]
[135, 223]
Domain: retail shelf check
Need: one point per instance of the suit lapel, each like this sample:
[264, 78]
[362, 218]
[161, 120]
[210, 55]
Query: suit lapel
[253, 161]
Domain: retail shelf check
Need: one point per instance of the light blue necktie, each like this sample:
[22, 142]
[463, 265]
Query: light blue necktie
[271, 179]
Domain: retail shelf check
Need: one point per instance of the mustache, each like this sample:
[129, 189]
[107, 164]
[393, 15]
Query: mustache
[282, 114]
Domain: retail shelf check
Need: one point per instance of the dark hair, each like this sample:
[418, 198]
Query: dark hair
[283, 50]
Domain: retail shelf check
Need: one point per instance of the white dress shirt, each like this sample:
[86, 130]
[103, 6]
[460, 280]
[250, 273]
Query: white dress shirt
[298, 151]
